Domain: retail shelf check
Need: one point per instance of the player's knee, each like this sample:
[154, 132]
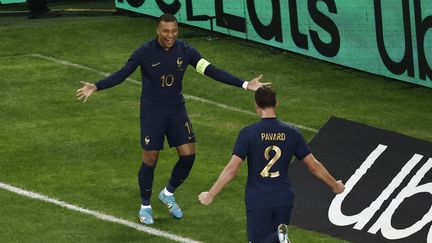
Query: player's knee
[151, 163]
[186, 149]
[150, 158]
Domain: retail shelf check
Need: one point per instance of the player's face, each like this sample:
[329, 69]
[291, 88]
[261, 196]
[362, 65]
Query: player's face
[167, 34]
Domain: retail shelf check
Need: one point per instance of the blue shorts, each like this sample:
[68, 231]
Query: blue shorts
[263, 222]
[158, 121]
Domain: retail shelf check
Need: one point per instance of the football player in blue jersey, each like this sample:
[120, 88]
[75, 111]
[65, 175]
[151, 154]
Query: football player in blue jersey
[163, 62]
[268, 146]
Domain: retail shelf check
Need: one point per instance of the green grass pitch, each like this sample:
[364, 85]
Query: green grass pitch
[89, 154]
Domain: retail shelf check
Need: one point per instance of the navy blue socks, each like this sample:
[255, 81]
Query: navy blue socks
[180, 172]
[145, 181]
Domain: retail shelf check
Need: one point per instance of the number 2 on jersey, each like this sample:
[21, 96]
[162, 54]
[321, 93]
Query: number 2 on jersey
[265, 172]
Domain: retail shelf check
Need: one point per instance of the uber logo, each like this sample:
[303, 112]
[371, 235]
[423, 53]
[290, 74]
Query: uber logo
[337, 217]
[388, 179]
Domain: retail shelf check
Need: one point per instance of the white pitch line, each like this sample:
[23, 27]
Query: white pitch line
[99, 215]
[191, 97]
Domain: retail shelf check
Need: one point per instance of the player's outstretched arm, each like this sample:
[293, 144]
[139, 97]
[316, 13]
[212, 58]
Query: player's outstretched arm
[205, 68]
[85, 91]
[226, 176]
[255, 83]
[316, 168]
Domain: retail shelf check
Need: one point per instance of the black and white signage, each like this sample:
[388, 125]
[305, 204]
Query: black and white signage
[388, 196]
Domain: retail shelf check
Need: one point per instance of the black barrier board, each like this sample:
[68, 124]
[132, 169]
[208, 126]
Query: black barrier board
[388, 196]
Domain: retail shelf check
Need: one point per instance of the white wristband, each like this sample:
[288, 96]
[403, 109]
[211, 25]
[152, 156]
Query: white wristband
[245, 84]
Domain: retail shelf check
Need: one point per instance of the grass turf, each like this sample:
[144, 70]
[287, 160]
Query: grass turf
[89, 154]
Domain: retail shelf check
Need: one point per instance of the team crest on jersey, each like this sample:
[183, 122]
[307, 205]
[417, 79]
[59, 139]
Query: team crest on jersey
[179, 64]
[147, 140]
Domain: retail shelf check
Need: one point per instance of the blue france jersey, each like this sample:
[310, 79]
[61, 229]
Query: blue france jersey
[269, 146]
[162, 72]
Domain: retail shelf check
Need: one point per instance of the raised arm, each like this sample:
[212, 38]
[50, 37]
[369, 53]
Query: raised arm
[112, 80]
[316, 168]
[225, 77]
[226, 176]
[204, 67]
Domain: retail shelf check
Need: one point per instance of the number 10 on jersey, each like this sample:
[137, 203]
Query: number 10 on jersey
[167, 80]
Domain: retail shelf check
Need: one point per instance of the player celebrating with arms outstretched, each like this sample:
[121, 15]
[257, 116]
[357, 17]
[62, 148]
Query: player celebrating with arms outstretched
[163, 62]
[268, 146]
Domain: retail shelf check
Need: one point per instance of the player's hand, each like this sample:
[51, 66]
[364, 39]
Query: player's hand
[85, 91]
[205, 198]
[255, 83]
[339, 187]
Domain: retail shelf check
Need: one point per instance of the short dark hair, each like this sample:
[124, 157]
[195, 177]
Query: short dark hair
[265, 96]
[167, 18]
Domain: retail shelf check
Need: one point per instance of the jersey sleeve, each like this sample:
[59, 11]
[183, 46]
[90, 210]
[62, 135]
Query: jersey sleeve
[242, 144]
[302, 149]
[204, 67]
[195, 56]
[223, 76]
[121, 75]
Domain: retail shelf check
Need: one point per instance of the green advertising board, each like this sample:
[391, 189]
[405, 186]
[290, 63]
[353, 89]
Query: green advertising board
[11, 1]
[392, 38]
